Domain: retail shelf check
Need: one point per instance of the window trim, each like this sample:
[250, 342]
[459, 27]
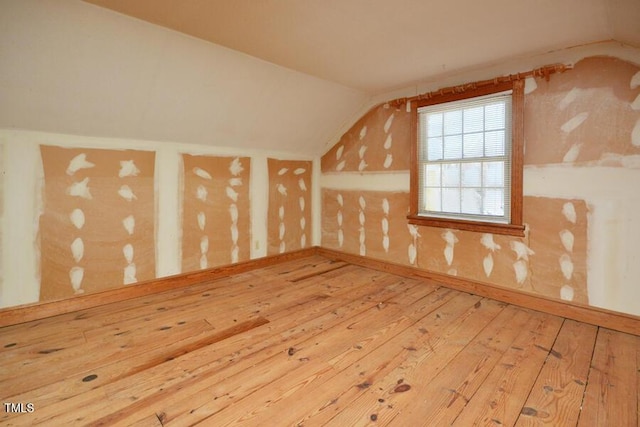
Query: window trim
[516, 226]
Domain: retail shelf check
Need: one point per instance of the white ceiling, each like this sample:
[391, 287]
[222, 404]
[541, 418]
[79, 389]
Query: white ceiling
[288, 76]
[380, 45]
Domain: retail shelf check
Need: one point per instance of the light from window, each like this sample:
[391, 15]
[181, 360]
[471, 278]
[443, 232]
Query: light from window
[464, 159]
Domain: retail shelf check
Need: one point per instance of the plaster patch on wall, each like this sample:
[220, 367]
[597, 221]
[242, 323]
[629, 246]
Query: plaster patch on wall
[202, 173]
[574, 122]
[569, 98]
[369, 222]
[77, 218]
[566, 293]
[572, 155]
[128, 168]
[530, 85]
[98, 205]
[585, 111]
[569, 212]
[79, 162]
[413, 246]
[635, 81]
[216, 222]
[77, 249]
[566, 265]
[559, 238]
[127, 193]
[80, 189]
[372, 133]
[450, 238]
[635, 105]
[635, 134]
[289, 196]
[567, 238]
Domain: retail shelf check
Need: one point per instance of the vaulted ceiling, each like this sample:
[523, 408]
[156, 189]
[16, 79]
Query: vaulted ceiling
[272, 75]
[379, 45]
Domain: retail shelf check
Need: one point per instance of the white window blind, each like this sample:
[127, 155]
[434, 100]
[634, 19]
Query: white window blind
[464, 155]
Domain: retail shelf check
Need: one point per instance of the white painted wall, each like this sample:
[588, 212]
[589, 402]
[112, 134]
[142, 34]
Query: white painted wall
[23, 178]
[67, 66]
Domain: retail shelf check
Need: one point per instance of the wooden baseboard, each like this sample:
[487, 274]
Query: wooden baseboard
[593, 315]
[41, 310]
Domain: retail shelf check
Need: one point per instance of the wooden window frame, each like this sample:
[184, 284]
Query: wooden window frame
[516, 226]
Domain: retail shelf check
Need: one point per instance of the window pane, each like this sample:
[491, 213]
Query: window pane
[473, 119]
[432, 175]
[432, 199]
[453, 122]
[494, 143]
[473, 145]
[451, 175]
[493, 203]
[451, 200]
[434, 148]
[471, 174]
[493, 174]
[434, 125]
[494, 116]
[453, 147]
[471, 201]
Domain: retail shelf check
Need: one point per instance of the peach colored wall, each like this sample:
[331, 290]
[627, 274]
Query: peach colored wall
[216, 220]
[585, 117]
[378, 141]
[289, 220]
[97, 227]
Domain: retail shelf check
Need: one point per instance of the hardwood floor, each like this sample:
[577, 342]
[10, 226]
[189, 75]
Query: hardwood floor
[317, 342]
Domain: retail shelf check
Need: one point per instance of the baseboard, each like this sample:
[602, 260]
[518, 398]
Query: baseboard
[41, 310]
[593, 315]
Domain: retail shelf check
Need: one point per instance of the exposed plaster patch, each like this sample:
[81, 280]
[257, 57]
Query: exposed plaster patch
[202, 173]
[566, 293]
[567, 239]
[572, 154]
[77, 163]
[569, 98]
[574, 122]
[635, 134]
[80, 189]
[77, 218]
[569, 212]
[128, 168]
[530, 85]
[635, 81]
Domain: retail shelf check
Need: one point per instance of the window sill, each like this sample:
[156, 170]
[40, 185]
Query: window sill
[457, 224]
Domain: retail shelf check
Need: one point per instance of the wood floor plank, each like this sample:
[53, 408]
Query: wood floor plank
[401, 388]
[357, 339]
[501, 398]
[364, 369]
[557, 395]
[317, 342]
[441, 400]
[213, 377]
[611, 399]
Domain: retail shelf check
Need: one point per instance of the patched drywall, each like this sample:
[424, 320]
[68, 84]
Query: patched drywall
[289, 220]
[582, 166]
[368, 223]
[379, 141]
[89, 214]
[216, 222]
[96, 229]
[587, 116]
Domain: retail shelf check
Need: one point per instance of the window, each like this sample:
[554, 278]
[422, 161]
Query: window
[466, 168]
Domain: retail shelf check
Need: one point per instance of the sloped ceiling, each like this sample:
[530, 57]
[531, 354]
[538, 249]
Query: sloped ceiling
[285, 75]
[379, 45]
